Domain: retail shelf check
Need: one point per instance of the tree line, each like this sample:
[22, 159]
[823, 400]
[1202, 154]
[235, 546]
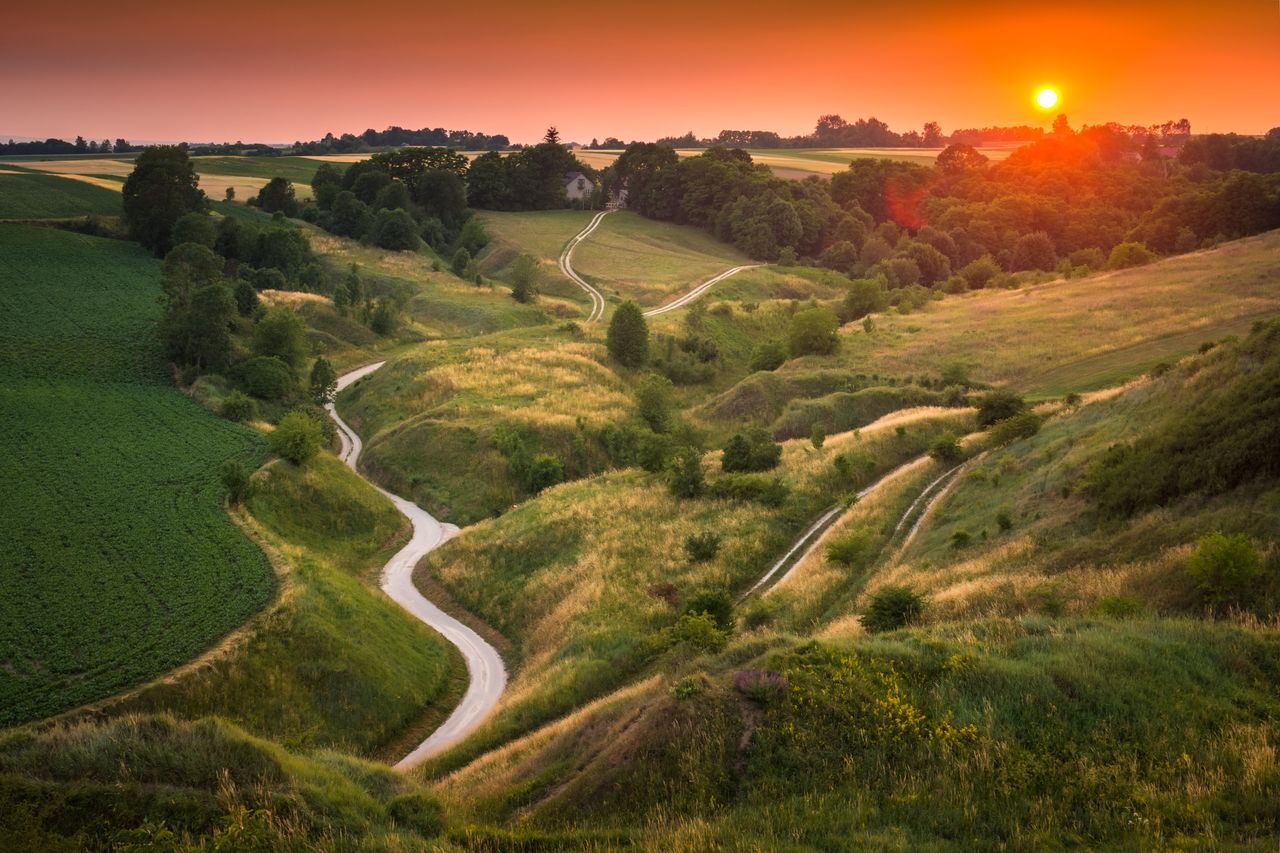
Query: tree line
[61, 146]
[427, 137]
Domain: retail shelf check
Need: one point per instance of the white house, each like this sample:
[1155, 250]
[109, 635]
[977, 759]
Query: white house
[578, 186]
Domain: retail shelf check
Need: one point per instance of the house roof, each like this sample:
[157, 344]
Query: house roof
[570, 177]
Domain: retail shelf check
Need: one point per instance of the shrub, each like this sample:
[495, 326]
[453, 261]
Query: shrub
[848, 550]
[813, 332]
[267, 377]
[757, 451]
[544, 471]
[686, 480]
[946, 449]
[960, 539]
[761, 686]
[702, 547]
[977, 274]
[687, 687]
[1119, 607]
[817, 436]
[461, 260]
[653, 402]
[395, 230]
[768, 355]
[891, 608]
[758, 614]
[696, 633]
[865, 296]
[716, 603]
[766, 491]
[297, 437]
[238, 406]
[628, 336]
[1034, 251]
[1127, 255]
[1009, 430]
[419, 812]
[236, 480]
[324, 382]
[997, 406]
[1225, 568]
[246, 296]
[1004, 521]
[283, 334]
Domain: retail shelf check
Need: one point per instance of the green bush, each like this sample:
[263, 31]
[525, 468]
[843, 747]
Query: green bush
[1127, 255]
[768, 355]
[236, 480]
[848, 550]
[685, 480]
[1119, 607]
[266, 377]
[1009, 430]
[756, 451]
[297, 437]
[702, 547]
[766, 491]
[238, 406]
[813, 332]
[419, 812]
[716, 603]
[960, 539]
[946, 449]
[696, 633]
[1226, 568]
[817, 436]
[997, 406]
[891, 608]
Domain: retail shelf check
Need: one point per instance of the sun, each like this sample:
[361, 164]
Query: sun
[1047, 99]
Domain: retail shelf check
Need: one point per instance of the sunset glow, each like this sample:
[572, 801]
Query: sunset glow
[282, 72]
[1047, 99]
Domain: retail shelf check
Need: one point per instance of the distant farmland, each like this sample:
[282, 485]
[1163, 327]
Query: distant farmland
[118, 561]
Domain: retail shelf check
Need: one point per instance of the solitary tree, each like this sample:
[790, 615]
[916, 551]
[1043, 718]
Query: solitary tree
[162, 187]
[324, 382]
[553, 136]
[281, 333]
[813, 332]
[524, 279]
[461, 260]
[653, 402]
[628, 336]
[297, 437]
[686, 474]
[278, 195]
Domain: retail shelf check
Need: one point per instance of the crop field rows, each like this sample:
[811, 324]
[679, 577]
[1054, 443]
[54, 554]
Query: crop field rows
[118, 561]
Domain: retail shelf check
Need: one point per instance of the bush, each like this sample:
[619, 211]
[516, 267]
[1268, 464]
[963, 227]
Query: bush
[246, 296]
[848, 550]
[978, 274]
[239, 407]
[628, 336]
[892, 608]
[687, 687]
[1127, 255]
[395, 230]
[768, 355]
[716, 603]
[766, 491]
[283, 334]
[1225, 568]
[236, 480]
[960, 539]
[461, 260]
[418, 812]
[296, 438]
[267, 378]
[702, 547]
[653, 402]
[757, 451]
[813, 332]
[761, 686]
[696, 633]
[946, 449]
[1119, 607]
[817, 436]
[686, 480]
[544, 472]
[865, 296]
[998, 406]
[1004, 521]
[1009, 430]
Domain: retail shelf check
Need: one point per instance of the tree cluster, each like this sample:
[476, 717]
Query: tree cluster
[532, 179]
[429, 137]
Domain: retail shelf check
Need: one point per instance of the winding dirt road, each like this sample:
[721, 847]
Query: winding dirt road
[488, 676]
[698, 291]
[566, 267]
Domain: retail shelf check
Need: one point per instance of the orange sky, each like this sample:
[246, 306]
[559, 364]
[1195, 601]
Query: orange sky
[280, 72]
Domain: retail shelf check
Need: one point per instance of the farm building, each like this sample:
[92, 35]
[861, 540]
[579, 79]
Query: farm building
[578, 186]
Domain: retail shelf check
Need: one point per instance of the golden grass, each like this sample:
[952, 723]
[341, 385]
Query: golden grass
[105, 183]
[291, 298]
[88, 165]
[215, 186]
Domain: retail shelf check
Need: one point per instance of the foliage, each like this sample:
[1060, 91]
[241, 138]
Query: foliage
[946, 449]
[235, 479]
[768, 355]
[865, 296]
[754, 451]
[628, 336]
[524, 279]
[282, 334]
[695, 634]
[996, 406]
[297, 437]
[686, 479]
[195, 227]
[715, 602]
[849, 550]
[813, 332]
[1225, 568]
[653, 402]
[160, 190]
[246, 298]
[238, 406]
[1131, 254]
[395, 230]
[702, 547]
[324, 382]
[817, 436]
[266, 377]
[278, 195]
[891, 608]
[1020, 426]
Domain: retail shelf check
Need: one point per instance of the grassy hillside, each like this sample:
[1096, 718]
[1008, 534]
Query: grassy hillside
[584, 579]
[335, 664]
[118, 562]
[631, 257]
[34, 196]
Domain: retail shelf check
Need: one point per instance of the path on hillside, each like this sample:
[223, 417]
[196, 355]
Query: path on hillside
[698, 291]
[597, 298]
[488, 676]
[566, 267]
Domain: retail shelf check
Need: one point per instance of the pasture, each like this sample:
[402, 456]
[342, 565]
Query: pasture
[118, 560]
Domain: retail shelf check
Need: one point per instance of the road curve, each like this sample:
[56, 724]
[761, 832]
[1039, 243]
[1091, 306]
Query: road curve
[698, 291]
[488, 676]
[566, 267]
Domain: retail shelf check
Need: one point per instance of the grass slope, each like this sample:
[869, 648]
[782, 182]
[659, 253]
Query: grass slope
[118, 559]
[33, 196]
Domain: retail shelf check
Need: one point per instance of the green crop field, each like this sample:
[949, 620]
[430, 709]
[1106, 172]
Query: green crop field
[118, 561]
[32, 196]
